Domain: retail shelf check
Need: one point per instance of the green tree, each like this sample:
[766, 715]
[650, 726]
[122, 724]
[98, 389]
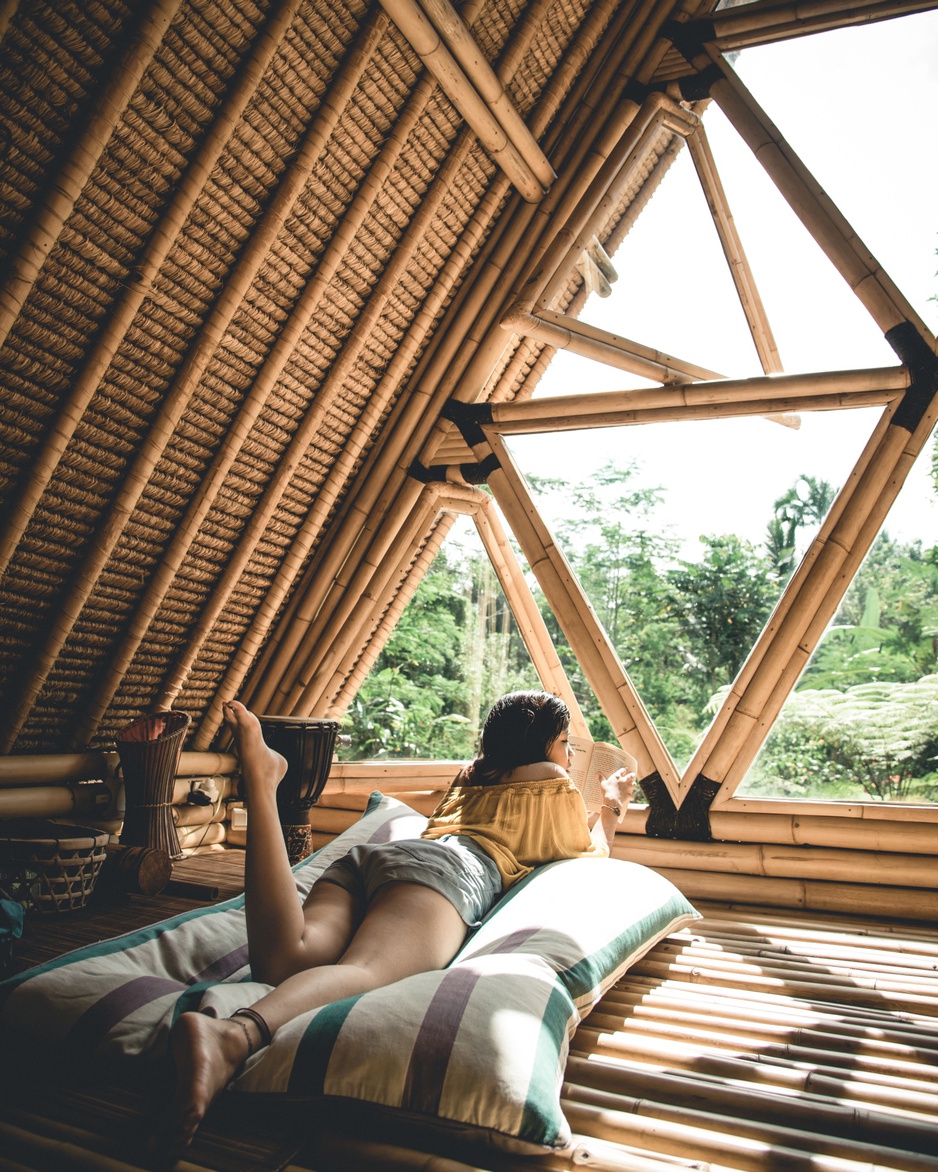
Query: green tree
[412, 702]
[723, 603]
[620, 553]
[806, 503]
[887, 625]
[455, 647]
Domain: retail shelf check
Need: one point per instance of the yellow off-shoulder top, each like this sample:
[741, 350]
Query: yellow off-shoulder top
[521, 824]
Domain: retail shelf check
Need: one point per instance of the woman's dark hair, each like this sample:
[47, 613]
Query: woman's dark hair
[519, 730]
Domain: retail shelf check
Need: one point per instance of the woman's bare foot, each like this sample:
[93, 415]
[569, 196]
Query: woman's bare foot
[208, 1053]
[261, 766]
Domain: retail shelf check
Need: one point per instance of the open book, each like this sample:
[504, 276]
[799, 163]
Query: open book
[591, 758]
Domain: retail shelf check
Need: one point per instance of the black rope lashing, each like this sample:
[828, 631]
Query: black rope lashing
[691, 821]
[469, 418]
[914, 352]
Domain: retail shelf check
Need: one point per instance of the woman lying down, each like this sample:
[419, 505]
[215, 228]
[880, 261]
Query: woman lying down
[385, 911]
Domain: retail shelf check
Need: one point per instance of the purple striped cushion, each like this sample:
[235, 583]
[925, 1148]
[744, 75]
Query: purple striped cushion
[480, 1045]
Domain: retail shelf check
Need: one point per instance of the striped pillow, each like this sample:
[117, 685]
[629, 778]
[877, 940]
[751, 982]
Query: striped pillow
[121, 996]
[480, 1045]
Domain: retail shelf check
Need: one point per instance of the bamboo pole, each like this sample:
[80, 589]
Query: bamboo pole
[814, 925]
[64, 768]
[905, 870]
[738, 410]
[602, 346]
[623, 1005]
[184, 386]
[613, 408]
[528, 617]
[55, 801]
[850, 537]
[263, 388]
[523, 169]
[55, 768]
[857, 834]
[843, 968]
[897, 1027]
[767, 22]
[45, 461]
[794, 1072]
[870, 529]
[898, 903]
[875, 289]
[745, 1100]
[752, 1148]
[857, 928]
[355, 677]
[83, 153]
[657, 117]
[408, 429]
[589, 641]
[486, 84]
[315, 676]
[740, 270]
[7, 12]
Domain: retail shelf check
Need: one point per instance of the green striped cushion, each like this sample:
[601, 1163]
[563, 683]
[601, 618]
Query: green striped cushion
[479, 1045]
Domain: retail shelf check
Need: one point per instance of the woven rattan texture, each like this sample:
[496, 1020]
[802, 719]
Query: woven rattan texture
[235, 231]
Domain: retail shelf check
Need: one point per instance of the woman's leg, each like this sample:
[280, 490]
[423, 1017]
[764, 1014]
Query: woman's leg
[284, 936]
[407, 929]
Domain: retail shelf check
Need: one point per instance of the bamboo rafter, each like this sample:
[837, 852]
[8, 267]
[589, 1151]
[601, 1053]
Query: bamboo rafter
[386, 475]
[76, 168]
[440, 38]
[186, 383]
[767, 21]
[264, 387]
[41, 468]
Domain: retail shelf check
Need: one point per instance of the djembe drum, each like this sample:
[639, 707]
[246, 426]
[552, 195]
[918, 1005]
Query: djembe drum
[307, 744]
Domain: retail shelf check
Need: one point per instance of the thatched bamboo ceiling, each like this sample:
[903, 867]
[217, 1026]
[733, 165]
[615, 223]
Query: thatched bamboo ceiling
[250, 250]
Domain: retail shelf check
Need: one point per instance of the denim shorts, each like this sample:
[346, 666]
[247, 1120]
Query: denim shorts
[454, 866]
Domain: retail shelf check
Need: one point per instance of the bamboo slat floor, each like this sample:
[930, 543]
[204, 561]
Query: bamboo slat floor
[758, 1040]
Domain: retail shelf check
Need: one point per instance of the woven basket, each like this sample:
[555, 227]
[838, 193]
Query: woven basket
[50, 866]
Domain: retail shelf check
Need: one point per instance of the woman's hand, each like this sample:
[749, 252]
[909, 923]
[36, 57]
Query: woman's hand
[617, 792]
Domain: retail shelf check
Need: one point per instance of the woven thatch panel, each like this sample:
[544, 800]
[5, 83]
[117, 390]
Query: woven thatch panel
[232, 233]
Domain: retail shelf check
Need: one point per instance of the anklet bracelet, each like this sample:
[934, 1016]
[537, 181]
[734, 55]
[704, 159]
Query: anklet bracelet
[262, 1027]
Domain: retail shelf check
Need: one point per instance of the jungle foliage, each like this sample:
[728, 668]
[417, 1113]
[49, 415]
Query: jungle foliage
[862, 723]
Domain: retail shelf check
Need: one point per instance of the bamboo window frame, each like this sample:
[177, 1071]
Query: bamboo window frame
[812, 596]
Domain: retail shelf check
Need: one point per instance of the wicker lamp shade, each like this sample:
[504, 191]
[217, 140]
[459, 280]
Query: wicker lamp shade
[149, 749]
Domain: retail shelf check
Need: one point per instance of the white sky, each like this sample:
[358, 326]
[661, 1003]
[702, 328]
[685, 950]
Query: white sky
[858, 106]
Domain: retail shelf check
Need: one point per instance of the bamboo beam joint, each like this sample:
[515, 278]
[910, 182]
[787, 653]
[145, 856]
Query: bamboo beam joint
[922, 363]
